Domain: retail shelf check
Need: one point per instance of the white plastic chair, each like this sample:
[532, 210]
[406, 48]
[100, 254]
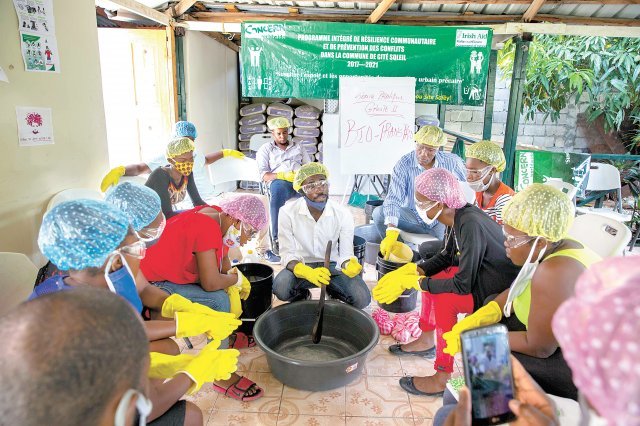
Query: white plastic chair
[17, 275]
[605, 236]
[74, 194]
[563, 186]
[258, 140]
[605, 177]
[230, 169]
[416, 239]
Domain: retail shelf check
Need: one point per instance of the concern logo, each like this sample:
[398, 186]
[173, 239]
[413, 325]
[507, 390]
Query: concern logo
[262, 31]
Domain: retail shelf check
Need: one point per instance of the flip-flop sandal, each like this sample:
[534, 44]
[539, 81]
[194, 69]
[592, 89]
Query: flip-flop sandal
[406, 383]
[427, 353]
[242, 341]
[239, 390]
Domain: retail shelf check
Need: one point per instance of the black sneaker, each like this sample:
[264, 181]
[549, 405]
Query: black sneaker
[271, 257]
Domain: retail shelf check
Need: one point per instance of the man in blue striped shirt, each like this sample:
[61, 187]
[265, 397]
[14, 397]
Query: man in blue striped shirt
[398, 211]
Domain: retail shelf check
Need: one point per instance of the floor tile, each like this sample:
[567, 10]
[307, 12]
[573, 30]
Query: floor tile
[328, 403]
[377, 397]
[306, 420]
[270, 402]
[419, 421]
[381, 362]
[253, 359]
[424, 406]
[379, 421]
[228, 418]
[205, 398]
[417, 366]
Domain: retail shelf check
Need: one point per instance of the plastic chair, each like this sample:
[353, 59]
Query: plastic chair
[416, 239]
[605, 236]
[74, 194]
[563, 186]
[17, 275]
[231, 169]
[258, 140]
[605, 178]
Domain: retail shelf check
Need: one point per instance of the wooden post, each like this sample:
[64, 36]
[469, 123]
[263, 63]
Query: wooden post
[181, 90]
[490, 95]
[173, 78]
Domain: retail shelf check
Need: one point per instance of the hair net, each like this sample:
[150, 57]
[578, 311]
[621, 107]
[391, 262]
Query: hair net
[540, 211]
[598, 330]
[487, 152]
[278, 123]
[246, 208]
[139, 202]
[430, 135]
[179, 146]
[81, 234]
[308, 170]
[440, 185]
[185, 129]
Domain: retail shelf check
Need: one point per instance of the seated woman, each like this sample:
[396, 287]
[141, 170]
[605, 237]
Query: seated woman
[483, 270]
[191, 260]
[172, 182]
[95, 243]
[536, 222]
[485, 160]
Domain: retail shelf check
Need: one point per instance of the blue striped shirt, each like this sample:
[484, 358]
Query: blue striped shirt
[401, 189]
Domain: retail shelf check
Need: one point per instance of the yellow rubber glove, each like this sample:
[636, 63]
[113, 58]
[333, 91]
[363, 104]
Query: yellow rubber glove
[176, 303]
[243, 283]
[211, 364]
[317, 276]
[288, 176]
[386, 245]
[232, 153]
[487, 315]
[393, 284]
[234, 300]
[112, 178]
[165, 366]
[352, 268]
[217, 327]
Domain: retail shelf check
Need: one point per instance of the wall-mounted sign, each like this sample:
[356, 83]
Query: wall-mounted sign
[35, 126]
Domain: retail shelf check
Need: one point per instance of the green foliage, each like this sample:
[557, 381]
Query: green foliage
[563, 68]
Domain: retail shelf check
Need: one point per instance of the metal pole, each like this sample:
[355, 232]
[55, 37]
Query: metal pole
[182, 94]
[515, 105]
[491, 92]
[441, 114]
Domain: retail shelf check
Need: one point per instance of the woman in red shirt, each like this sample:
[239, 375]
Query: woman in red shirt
[190, 259]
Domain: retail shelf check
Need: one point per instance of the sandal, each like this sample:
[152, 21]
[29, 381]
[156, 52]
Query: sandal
[241, 341]
[427, 353]
[240, 390]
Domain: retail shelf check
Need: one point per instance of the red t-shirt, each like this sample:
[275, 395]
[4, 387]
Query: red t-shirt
[173, 257]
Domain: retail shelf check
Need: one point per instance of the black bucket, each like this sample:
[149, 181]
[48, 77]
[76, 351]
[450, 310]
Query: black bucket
[372, 237]
[259, 301]
[407, 300]
[369, 207]
[289, 327]
[359, 245]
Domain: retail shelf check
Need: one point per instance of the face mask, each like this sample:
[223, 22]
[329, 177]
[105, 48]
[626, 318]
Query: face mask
[318, 205]
[143, 407]
[121, 282]
[184, 167]
[588, 417]
[232, 237]
[479, 185]
[425, 218]
[524, 277]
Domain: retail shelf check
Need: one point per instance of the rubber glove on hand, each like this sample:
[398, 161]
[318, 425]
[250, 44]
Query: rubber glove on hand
[487, 315]
[232, 153]
[234, 300]
[112, 178]
[393, 284]
[352, 268]
[317, 276]
[243, 283]
[211, 364]
[217, 327]
[389, 240]
[165, 366]
[176, 303]
[288, 176]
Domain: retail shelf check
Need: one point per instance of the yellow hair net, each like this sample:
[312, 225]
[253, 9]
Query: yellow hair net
[278, 123]
[179, 146]
[487, 152]
[306, 171]
[430, 135]
[540, 210]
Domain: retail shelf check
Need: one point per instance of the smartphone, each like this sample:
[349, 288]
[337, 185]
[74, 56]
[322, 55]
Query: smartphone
[487, 372]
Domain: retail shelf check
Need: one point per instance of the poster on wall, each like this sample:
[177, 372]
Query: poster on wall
[39, 52]
[377, 117]
[537, 166]
[35, 15]
[307, 59]
[35, 126]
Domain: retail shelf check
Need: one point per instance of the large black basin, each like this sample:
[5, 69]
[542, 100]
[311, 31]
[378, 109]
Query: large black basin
[348, 336]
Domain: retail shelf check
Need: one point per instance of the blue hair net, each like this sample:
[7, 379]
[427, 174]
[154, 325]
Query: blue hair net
[139, 202]
[80, 234]
[185, 129]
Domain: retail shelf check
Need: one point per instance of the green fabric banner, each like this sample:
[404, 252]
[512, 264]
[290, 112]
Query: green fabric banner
[533, 166]
[306, 59]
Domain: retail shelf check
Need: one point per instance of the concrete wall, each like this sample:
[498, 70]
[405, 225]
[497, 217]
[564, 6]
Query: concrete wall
[30, 176]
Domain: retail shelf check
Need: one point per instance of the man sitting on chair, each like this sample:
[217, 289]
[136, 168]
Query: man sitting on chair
[399, 211]
[277, 162]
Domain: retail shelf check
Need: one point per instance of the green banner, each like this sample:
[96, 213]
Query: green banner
[534, 166]
[306, 59]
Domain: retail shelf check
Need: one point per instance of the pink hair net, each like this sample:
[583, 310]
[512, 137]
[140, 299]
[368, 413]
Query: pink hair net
[246, 208]
[440, 185]
[598, 330]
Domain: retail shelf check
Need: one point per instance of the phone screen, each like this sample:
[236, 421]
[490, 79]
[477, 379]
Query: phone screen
[487, 362]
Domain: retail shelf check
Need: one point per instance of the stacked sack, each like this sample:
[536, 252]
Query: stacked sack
[253, 119]
[426, 120]
[306, 130]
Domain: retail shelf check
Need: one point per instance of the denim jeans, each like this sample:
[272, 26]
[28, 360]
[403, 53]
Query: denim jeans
[408, 222]
[354, 291]
[281, 191]
[217, 300]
